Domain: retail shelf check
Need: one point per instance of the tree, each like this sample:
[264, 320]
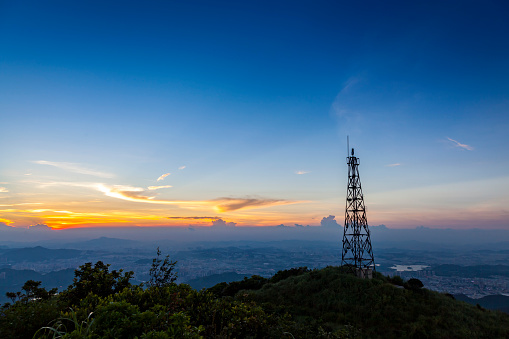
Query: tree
[414, 284]
[32, 291]
[162, 271]
[97, 280]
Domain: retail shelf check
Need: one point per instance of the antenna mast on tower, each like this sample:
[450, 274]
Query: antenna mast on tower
[357, 252]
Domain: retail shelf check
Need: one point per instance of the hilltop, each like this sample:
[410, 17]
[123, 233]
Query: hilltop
[295, 303]
[382, 307]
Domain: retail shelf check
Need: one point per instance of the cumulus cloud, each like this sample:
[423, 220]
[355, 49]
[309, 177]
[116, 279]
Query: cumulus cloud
[153, 188]
[393, 165]
[458, 144]
[75, 168]
[39, 227]
[182, 167]
[329, 221]
[302, 172]
[222, 223]
[163, 176]
[3, 190]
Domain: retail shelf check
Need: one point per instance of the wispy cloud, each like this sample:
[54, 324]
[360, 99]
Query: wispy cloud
[340, 105]
[302, 172]
[163, 176]
[44, 184]
[194, 218]
[24, 203]
[125, 192]
[75, 168]
[153, 188]
[3, 190]
[233, 204]
[139, 194]
[393, 165]
[458, 144]
[182, 167]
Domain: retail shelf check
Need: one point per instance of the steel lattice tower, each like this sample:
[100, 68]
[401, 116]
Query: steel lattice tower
[357, 251]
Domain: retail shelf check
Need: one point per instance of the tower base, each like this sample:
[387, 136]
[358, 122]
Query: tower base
[364, 273]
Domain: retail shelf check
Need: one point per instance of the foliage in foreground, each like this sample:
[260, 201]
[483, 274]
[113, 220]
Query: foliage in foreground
[296, 303]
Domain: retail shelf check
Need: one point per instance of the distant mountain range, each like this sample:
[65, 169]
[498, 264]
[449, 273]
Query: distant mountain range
[474, 271]
[35, 254]
[214, 279]
[102, 243]
[12, 280]
[492, 302]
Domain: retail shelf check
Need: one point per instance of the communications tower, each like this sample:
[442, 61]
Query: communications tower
[357, 254]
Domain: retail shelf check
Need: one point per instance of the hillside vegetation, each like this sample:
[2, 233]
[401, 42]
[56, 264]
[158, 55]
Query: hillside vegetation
[296, 303]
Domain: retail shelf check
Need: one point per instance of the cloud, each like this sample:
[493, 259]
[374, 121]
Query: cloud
[329, 221]
[125, 192]
[221, 223]
[194, 218]
[340, 106]
[182, 167]
[393, 165]
[23, 203]
[139, 194]
[302, 172]
[458, 144]
[233, 204]
[153, 188]
[39, 227]
[75, 168]
[3, 190]
[4, 223]
[163, 176]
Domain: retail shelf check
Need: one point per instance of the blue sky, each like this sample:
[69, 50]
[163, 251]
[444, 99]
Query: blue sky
[99, 100]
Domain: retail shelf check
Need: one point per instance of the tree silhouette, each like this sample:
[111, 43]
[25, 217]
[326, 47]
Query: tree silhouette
[162, 272]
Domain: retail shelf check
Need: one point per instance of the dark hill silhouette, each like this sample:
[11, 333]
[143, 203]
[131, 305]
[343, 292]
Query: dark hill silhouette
[214, 279]
[492, 302]
[102, 243]
[12, 280]
[475, 271]
[298, 303]
[34, 254]
[374, 308]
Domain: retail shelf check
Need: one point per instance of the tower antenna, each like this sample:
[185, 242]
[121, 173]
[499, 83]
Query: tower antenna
[357, 254]
[347, 145]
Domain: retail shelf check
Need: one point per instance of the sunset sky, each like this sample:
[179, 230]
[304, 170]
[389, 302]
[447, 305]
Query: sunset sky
[183, 112]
